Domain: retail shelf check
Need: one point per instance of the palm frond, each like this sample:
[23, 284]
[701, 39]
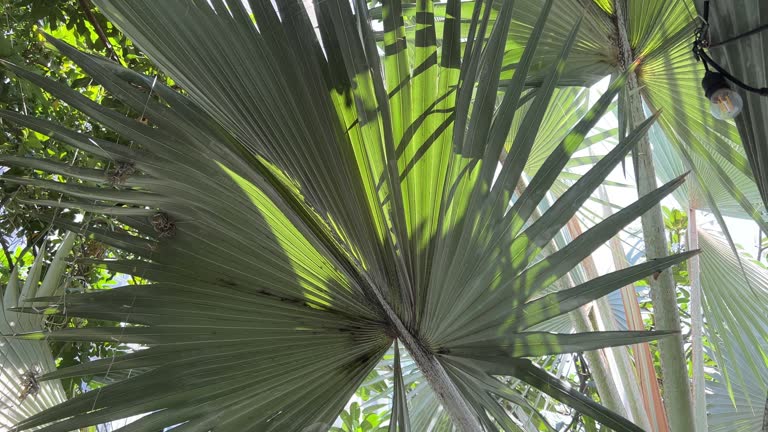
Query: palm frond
[731, 300]
[304, 202]
[22, 363]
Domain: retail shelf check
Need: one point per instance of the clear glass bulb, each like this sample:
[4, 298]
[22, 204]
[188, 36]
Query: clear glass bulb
[725, 104]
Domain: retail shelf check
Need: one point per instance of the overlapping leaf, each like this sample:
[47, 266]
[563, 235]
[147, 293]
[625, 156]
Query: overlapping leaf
[737, 332]
[23, 362]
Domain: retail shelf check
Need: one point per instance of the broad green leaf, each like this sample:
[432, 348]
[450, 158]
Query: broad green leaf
[297, 209]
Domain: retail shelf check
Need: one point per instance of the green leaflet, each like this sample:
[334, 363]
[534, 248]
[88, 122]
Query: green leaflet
[399, 421]
[536, 344]
[555, 304]
[20, 356]
[85, 174]
[541, 379]
[90, 193]
[732, 288]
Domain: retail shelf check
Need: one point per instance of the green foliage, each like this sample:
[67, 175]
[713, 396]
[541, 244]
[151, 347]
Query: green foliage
[25, 20]
[356, 419]
[21, 391]
[24, 44]
[676, 225]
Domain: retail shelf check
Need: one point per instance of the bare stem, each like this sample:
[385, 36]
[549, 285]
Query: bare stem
[8, 255]
[447, 393]
[85, 5]
[677, 394]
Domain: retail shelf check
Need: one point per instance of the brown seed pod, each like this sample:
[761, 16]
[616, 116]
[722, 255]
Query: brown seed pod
[120, 173]
[164, 226]
[29, 383]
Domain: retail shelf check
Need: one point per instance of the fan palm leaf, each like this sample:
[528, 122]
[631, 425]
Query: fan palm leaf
[23, 362]
[726, 310]
[304, 203]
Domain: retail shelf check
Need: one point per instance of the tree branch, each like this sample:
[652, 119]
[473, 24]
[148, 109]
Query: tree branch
[674, 370]
[8, 255]
[30, 244]
[584, 375]
[85, 5]
[3, 242]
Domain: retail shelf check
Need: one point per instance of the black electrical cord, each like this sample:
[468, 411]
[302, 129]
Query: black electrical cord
[740, 36]
[762, 91]
[700, 43]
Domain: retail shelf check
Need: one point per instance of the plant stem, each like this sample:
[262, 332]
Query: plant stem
[606, 384]
[649, 385]
[697, 325]
[447, 393]
[617, 361]
[7, 252]
[677, 396]
[583, 375]
[85, 5]
[3, 241]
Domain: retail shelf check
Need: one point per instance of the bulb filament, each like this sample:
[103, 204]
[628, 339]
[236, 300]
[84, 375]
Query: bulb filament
[725, 104]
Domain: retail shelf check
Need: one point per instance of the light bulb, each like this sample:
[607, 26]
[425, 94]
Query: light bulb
[725, 104]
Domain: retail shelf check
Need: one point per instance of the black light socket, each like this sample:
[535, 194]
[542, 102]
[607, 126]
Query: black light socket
[712, 82]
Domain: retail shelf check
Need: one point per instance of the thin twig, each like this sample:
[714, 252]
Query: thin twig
[8, 255]
[3, 242]
[584, 376]
[85, 5]
[31, 241]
